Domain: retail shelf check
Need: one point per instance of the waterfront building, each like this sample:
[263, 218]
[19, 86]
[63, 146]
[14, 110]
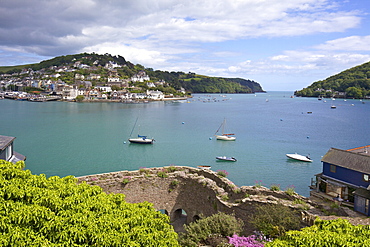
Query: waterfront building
[7, 150]
[345, 178]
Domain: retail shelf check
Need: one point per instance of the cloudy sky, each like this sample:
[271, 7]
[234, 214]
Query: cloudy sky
[282, 44]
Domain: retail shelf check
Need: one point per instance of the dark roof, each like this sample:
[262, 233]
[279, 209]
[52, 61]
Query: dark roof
[5, 141]
[363, 193]
[347, 159]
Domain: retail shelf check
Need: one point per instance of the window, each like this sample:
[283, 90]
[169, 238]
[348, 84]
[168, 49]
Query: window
[366, 178]
[333, 168]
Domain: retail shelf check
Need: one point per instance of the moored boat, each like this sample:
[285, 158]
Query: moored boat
[224, 136]
[141, 140]
[224, 158]
[204, 167]
[299, 157]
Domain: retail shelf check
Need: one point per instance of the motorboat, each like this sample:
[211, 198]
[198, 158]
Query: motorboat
[224, 158]
[299, 157]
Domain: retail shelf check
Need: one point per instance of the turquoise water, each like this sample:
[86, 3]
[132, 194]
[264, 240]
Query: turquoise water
[61, 138]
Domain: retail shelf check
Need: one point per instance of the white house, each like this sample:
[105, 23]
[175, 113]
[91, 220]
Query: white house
[155, 95]
[104, 89]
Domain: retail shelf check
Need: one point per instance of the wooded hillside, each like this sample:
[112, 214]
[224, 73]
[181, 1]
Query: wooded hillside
[351, 83]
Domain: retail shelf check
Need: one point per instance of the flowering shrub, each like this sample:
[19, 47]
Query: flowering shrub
[251, 241]
[222, 173]
[290, 190]
[258, 184]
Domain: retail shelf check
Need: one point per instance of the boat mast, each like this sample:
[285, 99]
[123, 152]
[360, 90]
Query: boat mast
[134, 126]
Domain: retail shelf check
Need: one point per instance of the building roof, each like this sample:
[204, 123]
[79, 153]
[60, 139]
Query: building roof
[358, 161]
[363, 193]
[5, 141]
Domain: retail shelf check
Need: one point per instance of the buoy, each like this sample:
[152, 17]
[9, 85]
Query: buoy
[308, 137]
[183, 122]
[124, 142]
[281, 119]
[210, 138]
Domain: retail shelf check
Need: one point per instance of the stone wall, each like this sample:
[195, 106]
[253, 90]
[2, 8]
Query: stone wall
[197, 192]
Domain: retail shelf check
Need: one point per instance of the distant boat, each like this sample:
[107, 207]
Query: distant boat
[224, 136]
[333, 107]
[204, 167]
[140, 139]
[299, 157]
[224, 158]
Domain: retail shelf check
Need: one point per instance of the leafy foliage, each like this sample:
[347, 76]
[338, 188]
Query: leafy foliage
[355, 82]
[40, 211]
[337, 232]
[219, 224]
[274, 220]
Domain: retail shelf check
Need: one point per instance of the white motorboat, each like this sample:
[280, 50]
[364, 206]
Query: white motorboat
[223, 136]
[224, 158]
[299, 157]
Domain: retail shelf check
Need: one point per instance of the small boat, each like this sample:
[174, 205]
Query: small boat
[299, 157]
[333, 107]
[224, 136]
[224, 158]
[141, 140]
[204, 167]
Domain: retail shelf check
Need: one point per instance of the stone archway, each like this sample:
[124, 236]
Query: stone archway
[196, 218]
[178, 219]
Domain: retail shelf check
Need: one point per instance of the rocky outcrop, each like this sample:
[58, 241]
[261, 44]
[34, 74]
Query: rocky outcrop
[191, 193]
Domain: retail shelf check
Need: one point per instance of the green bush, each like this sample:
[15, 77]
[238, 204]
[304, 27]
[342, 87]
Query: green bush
[337, 232]
[275, 187]
[273, 220]
[219, 224]
[40, 211]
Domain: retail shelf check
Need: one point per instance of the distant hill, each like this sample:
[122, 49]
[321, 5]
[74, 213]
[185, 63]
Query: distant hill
[191, 82]
[351, 83]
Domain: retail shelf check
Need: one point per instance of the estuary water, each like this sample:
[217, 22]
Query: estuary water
[63, 138]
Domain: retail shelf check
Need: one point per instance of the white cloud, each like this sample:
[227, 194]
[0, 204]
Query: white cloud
[352, 43]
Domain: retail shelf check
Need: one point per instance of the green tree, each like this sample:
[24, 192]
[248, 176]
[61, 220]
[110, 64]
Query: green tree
[40, 211]
[353, 92]
[80, 98]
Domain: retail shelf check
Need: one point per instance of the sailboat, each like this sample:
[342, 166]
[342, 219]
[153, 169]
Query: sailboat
[140, 139]
[224, 136]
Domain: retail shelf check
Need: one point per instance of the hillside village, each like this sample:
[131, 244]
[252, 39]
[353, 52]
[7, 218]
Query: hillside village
[84, 82]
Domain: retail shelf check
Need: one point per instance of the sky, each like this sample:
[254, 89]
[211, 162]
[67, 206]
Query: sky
[284, 45]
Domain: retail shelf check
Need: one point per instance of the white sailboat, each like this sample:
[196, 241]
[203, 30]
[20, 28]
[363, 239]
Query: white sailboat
[224, 136]
[140, 139]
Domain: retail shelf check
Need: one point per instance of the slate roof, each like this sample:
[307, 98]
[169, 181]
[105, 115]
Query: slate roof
[345, 158]
[5, 141]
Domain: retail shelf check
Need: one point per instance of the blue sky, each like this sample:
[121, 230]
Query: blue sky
[281, 44]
